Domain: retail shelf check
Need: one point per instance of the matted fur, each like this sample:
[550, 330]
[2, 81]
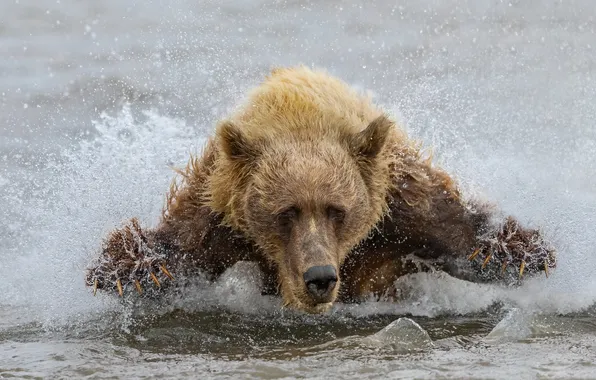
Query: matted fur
[305, 138]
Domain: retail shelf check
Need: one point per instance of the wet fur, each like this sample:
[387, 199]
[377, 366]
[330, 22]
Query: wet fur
[416, 218]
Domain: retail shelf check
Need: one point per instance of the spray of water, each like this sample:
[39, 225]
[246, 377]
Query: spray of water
[58, 216]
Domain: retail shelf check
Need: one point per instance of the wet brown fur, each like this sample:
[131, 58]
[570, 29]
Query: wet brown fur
[305, 138]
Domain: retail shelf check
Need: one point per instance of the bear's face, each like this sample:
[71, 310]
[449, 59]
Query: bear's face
[306, 204]
[305, 209]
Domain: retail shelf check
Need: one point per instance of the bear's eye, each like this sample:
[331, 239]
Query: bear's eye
[286, 217]
[336, 214]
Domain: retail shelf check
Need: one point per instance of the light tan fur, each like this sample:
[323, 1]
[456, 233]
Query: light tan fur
[312, 106]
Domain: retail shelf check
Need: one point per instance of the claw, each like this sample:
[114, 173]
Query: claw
[474, 254]
[546, 268]
[166, 272]
[154, 278]
[119, 286]
[138, 286]
[504, 267]
[521, 268]
[487, 260]
[94, 287]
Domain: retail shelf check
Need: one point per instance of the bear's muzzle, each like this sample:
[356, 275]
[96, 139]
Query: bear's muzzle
[320, 281]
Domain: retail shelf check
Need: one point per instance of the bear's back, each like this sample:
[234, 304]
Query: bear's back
[304, 102]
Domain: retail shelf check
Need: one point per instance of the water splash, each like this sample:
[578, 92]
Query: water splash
[403, 335]
[59, 210]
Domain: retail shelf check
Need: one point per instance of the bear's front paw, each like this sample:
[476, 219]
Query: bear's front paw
[516, 250]
[130, 255]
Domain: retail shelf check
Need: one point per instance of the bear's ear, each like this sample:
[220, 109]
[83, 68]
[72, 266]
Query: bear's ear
[369, 142]
[234, 143]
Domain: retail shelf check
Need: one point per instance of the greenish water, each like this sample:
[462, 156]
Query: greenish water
[180, 344]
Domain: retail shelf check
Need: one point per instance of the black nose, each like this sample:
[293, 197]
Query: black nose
[320, 281]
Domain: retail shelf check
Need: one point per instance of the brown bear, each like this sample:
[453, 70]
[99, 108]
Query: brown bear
[332, 200]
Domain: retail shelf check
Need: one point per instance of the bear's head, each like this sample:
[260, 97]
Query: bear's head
[305, 198]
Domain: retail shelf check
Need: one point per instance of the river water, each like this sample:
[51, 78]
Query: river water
[98, 99]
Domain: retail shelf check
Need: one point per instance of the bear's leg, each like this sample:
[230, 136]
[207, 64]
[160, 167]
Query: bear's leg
[148, 258]
[467, 239]
[429, 219]
[467, 246]
[132, 255]
[428, 226]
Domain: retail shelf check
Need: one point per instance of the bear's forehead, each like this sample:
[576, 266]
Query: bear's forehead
[314, 188]
[306, 156]
[298, 173]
